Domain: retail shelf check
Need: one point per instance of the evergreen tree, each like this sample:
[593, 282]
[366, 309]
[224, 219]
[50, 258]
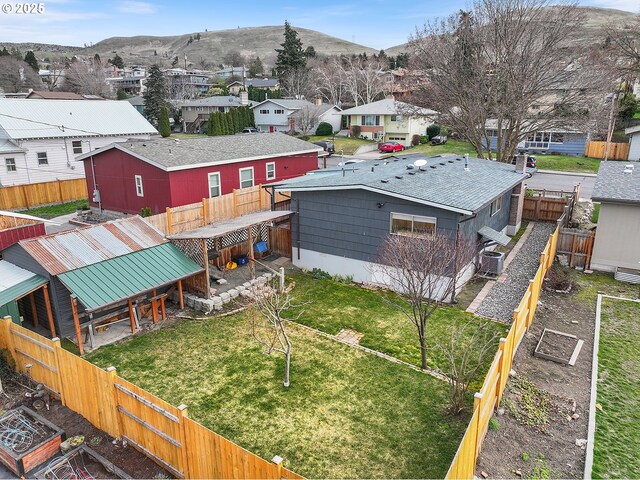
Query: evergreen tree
[209, 130]
[218, 125]
[198, 37]
[31, 59]
[223, 123]
[117, 61]
[256, 67]
[121, 94]
[156, 94]
[252, 118]
[290, 56]
[310, 52]
[97, 60]
[4, 52]
[235, 120]
[164, 127]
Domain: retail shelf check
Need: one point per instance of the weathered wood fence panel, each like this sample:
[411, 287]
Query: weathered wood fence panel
[122, 409]
[577, 245]
[188, 217]
[35, 194]
[280, 240]
[488, 398]
[617, 151]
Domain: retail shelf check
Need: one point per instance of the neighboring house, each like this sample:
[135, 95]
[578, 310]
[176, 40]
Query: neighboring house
[91, 265]
[129, 83]
[187, 82]
[617, 243]
[634, 143]
[47, 95]
[286, 115]
[137, 102]
[228, 72]
[39, 139]
[388, 119]
[271, 84]
[342, 218]
[165, 173]
[555, 141]
[18, 226]
[195, 113]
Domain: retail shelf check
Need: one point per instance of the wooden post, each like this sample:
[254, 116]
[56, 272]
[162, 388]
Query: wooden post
[205, 219]
[7, 326]
[113, 373]
[260, 197]
[502, 370]
[47, 304]
[477, 400]
[57, 349]
[132, 318]
[180, 295]
[154, 308]
[182, 414]
[169, 222]
[162, 309]
[60, 191]
[252, 266]
[76, 323]
[24, 195]
[34, 310]
[235, 203]
[205, 255]
[533, 300]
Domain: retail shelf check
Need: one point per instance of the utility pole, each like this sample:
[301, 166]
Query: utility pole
[614, 98]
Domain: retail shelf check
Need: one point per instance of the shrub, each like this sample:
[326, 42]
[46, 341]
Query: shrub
[355, 131]
[415, 140]
[433, 130]
[164, 127]
[319, 274]
[324, 129]
[145, 212]
[424, 139]
[444, 132]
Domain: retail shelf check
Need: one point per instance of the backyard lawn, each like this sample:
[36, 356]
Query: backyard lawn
[347, 414]
[617, 436]
[52, 211]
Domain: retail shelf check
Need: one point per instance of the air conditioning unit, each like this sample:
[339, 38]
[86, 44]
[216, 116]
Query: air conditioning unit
[492, 262]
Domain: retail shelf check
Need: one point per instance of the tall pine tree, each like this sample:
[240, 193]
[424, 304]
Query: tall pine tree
[291, 56]
[31, 59]
[164, 127]
[155, 96]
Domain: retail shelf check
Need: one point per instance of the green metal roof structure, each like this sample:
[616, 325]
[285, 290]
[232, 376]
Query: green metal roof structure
[110, 281]
[16, 282]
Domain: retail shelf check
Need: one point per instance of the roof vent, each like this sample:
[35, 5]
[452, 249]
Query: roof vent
[459, 159]
[450, 161]
[409, 167]
[384, 181]
[628, 171]
[629, 166]
[395, 159]
[399, 177]
[432, 166]
[412, 173]
[442, 163]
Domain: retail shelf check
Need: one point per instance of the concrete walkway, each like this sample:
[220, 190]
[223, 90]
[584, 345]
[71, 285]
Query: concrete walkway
[63, 220]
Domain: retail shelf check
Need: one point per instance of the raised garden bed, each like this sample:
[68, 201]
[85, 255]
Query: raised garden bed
[27, 440]
[81, 462]
[558, 347]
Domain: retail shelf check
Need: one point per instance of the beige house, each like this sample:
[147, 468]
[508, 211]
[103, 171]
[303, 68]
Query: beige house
[617, 244]
[389, 120]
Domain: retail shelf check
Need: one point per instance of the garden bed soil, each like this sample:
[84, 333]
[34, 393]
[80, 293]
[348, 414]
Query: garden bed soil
[125, 457]
[557, 345]
[81, 462]
[552, 443]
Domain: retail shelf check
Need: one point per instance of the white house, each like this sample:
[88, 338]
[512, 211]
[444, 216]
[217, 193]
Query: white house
[39, 139]
[388, 119]
[634, 143]
[286, 114]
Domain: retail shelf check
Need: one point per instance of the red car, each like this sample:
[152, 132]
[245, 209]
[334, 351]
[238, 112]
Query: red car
[390, 147]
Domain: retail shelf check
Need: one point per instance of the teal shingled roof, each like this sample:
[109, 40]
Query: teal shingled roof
[110, 281]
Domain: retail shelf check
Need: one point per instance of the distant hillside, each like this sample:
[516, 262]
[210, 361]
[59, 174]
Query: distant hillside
[590, 30]
[212, 46]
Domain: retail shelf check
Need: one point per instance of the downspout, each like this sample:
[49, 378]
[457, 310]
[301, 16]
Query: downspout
[298, 225]
[455, 258]
[95, 186]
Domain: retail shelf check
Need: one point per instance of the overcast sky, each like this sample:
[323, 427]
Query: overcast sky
[374, 23]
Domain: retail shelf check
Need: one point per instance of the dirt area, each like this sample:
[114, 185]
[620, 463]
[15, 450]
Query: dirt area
[124, 457]
[539, 431]
[557, 345]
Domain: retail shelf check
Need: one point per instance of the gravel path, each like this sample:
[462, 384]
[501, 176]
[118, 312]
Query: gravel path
[505, 297]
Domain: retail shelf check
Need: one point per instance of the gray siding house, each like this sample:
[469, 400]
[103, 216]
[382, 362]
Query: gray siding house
[343, 216]
[617, 244]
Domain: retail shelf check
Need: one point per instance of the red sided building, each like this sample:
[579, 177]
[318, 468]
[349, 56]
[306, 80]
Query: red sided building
[161, 173]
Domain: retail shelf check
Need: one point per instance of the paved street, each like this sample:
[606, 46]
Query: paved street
[557, 181]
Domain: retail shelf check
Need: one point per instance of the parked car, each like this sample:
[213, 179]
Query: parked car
[327, 147]
[390, 147]
[531, 160]
[250, 130]
[439, 140]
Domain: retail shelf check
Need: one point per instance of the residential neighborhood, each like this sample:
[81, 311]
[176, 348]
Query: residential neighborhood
[295, 241]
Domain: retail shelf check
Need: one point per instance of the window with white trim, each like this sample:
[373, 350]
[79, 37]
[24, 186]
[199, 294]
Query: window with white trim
[246, 177]
[139, 189]
[264, 112]
[10, 164]
[42, 158]
[370, 120]
[396, 118]
[271, 170]
[214, 184]
[77, 147]
[496, 205]
[278, 111]
[412, 225]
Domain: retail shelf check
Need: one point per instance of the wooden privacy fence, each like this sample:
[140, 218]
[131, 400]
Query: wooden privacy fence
[617, 151]
[488, 398]
[577, 245]
[35, 194]
[120, 408]
[548, 205]
[224, 207]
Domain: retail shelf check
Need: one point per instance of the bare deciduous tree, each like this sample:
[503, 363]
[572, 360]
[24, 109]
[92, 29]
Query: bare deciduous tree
[509, 61]
[87, 78]
[468, 348]
[425, 271]
[329, 79]
[624, 43]
[16, 75]
[297, 83]
[269, 301]
[306, 118]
